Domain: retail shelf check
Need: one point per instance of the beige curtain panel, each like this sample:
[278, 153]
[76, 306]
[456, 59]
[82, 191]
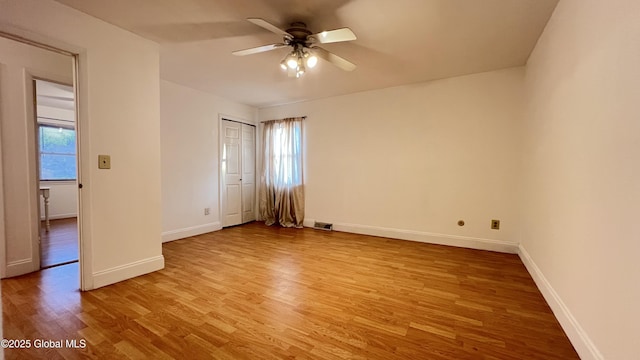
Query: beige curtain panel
[281, 194]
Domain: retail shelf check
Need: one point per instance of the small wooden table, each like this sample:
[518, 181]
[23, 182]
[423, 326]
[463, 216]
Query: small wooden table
[44, 191]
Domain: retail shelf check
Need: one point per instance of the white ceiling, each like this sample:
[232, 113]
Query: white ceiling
[399, 42]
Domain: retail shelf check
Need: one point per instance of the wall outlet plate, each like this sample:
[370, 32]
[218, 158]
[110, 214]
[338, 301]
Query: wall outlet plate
[495, 224]
[104, 162]
[207, 211]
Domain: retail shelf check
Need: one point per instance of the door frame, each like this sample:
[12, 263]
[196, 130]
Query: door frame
[78, 57]
[220, 150]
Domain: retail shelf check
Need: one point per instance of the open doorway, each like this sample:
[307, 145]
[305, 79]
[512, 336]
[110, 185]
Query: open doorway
[57, 172]
[22, 120]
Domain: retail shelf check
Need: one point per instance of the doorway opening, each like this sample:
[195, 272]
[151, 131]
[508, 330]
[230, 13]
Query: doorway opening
[57, 172]
[24, 130]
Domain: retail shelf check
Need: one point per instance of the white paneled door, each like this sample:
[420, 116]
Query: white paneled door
[238, 173]
[248, 173]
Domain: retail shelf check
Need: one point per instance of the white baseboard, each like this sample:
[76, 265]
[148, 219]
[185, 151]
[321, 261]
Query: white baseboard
[190, 231]
[60, 216]
[431, 238]
[127, 271]
[20, 267]
[579, 338]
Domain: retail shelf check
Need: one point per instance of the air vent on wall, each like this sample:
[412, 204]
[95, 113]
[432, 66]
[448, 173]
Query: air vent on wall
[322, 226]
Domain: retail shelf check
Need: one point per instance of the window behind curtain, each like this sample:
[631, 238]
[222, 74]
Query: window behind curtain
[57, 152]
[281, 192]
[286, 149]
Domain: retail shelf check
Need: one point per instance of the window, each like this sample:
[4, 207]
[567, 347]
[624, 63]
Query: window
[57, 152]
[281, 196]
[286, 153]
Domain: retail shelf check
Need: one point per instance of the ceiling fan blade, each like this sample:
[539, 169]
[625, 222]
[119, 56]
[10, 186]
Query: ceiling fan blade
[337, 35]
[268, 26]
[258, 49]
[334, 59]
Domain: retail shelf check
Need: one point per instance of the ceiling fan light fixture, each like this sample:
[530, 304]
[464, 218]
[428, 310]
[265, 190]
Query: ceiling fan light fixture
[300, 69]
[283, 64]
[312, 61]
[292, 61]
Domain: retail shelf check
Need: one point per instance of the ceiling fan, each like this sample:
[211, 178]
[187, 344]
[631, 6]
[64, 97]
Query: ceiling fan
[305, 53]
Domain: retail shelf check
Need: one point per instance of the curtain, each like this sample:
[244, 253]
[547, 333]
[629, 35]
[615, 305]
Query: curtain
[281, 194]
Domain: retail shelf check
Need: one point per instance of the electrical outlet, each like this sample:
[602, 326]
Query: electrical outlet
[495, 224]
[104, 162]
[207, 211]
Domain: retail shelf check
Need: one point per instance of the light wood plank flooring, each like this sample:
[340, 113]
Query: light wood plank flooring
[59, 245]
[258, 292]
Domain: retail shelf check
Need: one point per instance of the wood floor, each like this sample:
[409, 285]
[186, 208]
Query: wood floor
[59, 245]
[257, 292]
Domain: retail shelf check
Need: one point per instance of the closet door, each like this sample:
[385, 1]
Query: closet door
[238, 173]
[248, 173]
[231, 173]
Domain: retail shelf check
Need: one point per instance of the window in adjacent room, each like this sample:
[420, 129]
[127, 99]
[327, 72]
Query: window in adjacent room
[57, 152]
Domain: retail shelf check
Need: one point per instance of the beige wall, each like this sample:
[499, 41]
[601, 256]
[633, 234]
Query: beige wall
[581, 189]
[190, 160]
[119, 116]
[411, 161]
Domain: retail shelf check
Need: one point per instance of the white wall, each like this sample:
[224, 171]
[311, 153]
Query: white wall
[190, 160]
[581, 189]
[63, 199]
[18, 64]
[410, 161]
[119, 105]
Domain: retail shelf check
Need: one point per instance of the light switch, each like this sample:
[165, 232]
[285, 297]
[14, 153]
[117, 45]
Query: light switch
[104, 162]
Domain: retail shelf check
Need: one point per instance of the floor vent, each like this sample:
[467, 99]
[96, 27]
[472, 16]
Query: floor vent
[322, 226]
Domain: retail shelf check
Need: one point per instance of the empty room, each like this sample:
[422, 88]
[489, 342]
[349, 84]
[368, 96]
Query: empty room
[322, 179]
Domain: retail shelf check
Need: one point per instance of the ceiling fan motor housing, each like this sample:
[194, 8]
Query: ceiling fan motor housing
[299, 32]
